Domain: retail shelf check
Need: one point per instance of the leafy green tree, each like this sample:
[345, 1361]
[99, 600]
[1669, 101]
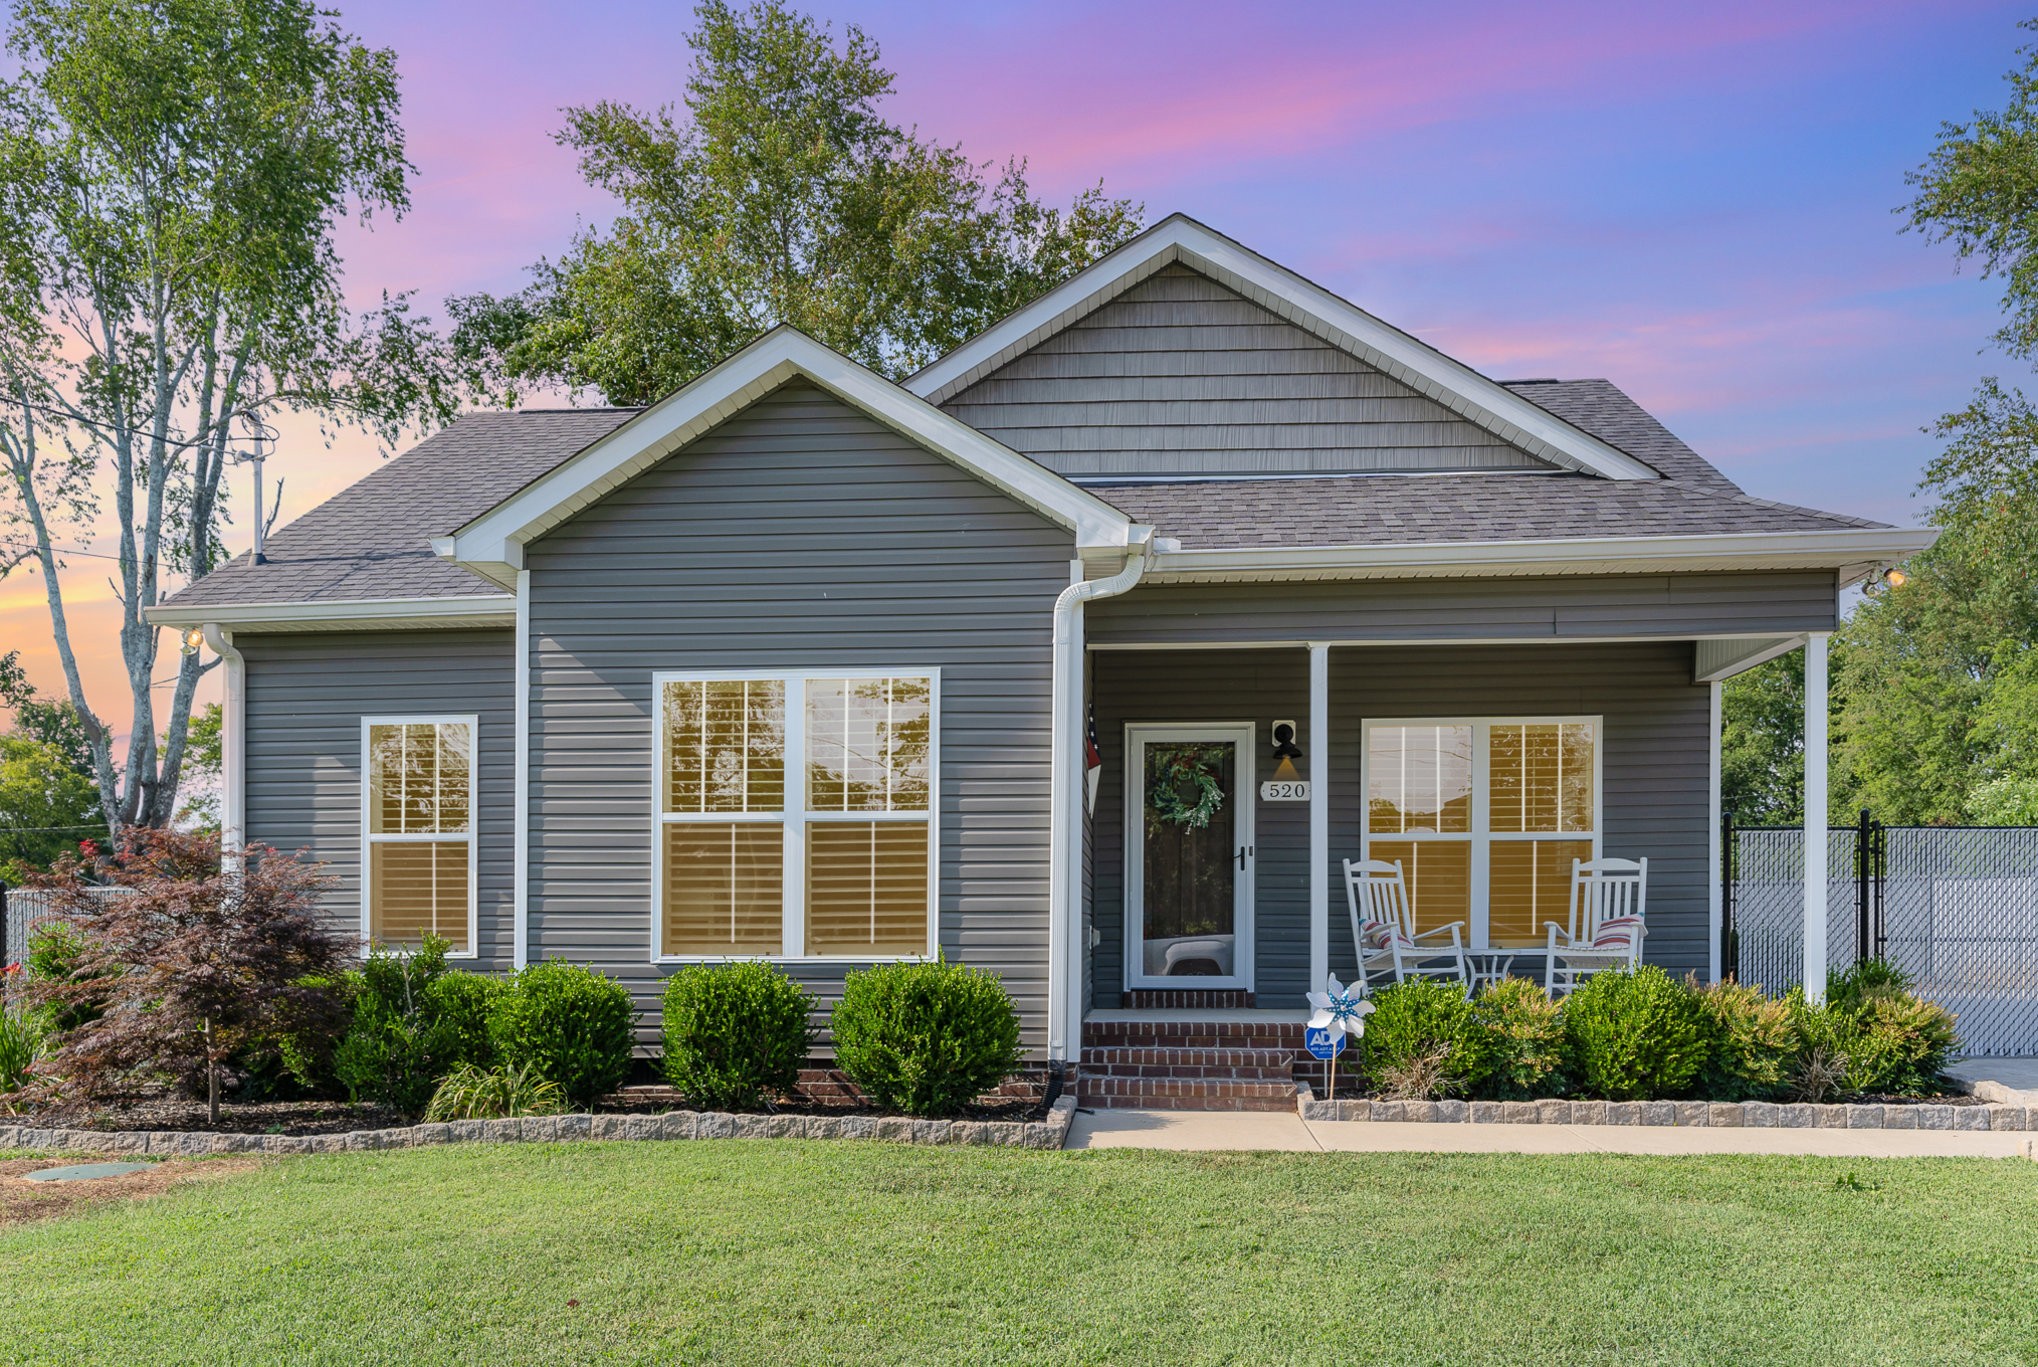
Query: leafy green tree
[51, 721]
[1762, 743]
[784, 195]
[172, 173]
[46, 807]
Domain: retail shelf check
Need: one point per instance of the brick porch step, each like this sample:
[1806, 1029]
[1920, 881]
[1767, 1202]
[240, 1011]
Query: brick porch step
[1190, 1061]
[1184, 1093]
[1191, 1034]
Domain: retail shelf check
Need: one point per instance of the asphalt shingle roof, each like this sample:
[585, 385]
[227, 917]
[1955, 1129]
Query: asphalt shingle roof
[373, 539]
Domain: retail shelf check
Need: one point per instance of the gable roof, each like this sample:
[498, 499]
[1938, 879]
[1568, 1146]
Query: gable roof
[1178, 238]
[492, 542]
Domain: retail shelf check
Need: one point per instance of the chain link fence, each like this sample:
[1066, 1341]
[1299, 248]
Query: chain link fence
[1955, 907]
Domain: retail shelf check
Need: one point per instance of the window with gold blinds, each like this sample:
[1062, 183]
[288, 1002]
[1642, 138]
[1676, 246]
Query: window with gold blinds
[418, 794]
[796, 816]
[1485, 818]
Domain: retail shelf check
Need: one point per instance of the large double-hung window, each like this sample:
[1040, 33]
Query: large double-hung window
[1485, 817]
[417, 831]
[795, 815]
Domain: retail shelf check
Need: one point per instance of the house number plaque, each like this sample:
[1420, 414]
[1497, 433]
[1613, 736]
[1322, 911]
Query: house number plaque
[1274, 790]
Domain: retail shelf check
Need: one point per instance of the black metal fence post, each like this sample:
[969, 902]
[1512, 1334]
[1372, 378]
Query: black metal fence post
[1730, 943]
[1863, 857]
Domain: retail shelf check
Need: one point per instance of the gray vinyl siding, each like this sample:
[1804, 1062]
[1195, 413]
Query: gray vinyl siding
[1468, 609]
[798, 535]
[1654, 765]
[1180, 376]
[306, 696]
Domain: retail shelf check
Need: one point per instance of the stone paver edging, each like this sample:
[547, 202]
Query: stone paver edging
[1690, 1114]
[1012, 1134]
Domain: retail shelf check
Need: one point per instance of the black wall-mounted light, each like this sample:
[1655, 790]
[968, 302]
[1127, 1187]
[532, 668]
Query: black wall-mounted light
[1284, 741]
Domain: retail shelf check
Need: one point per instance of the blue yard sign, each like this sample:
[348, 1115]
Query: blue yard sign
[1323, 1042]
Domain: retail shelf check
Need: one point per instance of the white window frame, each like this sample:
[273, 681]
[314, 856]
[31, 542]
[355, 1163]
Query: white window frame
[473, 724]
[1482, 834]
[794, 817]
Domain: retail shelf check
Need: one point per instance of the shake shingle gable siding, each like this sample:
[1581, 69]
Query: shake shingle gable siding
[1181, 376]
[373, 539]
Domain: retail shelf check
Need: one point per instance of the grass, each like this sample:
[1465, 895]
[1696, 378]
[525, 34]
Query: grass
[806, 1252]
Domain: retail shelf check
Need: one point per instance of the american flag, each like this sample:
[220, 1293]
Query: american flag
[1093, 759]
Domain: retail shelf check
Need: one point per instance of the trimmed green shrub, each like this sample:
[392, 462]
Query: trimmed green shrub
[56, 954]
[1818, 1064]
[471, 1093]
[1420, 1041]
[575, 1027]
[396, 1048]
[1636, 1036]
[1897, 1045]
[1521, 1042]
[461, 1002]
[1852, 988]
[925, 1038]
[735, 1034]
[1754, 1043]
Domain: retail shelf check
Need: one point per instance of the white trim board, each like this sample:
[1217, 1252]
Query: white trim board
[1245, 782]
[342, 614]
[492, 544]
[472, 835]
[1178, 238]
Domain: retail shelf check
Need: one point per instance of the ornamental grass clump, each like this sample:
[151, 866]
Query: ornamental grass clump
[1636, 1036]
[570, 1024]
[925, 1038]
[1421, 1043]
[1521, 1050]
[736, 1035]
[21, 1044]
[471, 1093]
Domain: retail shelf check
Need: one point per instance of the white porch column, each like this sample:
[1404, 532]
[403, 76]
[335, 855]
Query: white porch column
[1714, 888]
[1319, 816]
[1815, 815]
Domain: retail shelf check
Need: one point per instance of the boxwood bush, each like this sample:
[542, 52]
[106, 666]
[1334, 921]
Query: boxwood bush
[1521, 1042]
[925, 1038]
[735, 1034]
[569, 1024]
[1754, 1043]
[1636, 1036]
[1420, 1041]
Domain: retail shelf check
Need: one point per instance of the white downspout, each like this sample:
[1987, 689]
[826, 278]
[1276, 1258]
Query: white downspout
[1065, 870]
[233, 746]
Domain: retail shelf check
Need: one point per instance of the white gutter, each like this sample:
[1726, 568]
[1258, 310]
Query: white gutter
[233, 738]
[1065, 870]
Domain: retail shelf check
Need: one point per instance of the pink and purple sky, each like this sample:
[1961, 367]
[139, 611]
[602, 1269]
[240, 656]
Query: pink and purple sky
[1694, 201]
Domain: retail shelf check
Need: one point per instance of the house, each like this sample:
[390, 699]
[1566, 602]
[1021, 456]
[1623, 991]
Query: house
[802, 663]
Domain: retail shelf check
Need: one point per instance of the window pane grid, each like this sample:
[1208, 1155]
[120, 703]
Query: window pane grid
[419, 854]
[837, 866]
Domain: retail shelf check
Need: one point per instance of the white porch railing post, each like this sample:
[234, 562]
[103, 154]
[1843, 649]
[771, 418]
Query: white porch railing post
[1319, 816]
[1715, 891]
[1815, 878]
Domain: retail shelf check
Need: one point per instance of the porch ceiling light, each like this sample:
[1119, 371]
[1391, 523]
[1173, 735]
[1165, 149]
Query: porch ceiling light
[190, 639]
[1885, 580]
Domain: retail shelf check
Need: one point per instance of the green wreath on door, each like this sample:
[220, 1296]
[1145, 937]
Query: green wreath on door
[1184, 788]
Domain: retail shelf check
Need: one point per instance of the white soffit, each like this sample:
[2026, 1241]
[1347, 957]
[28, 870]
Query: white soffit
[341, 614]
[1451, 383]
[492, 543]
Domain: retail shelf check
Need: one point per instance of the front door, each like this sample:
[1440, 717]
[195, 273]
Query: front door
[1189, 856]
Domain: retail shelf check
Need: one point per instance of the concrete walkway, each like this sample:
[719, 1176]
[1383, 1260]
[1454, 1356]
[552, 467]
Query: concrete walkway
[1284, 1130]
[2012, 1081]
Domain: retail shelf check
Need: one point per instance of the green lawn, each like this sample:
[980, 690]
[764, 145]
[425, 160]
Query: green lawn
[804, 1252]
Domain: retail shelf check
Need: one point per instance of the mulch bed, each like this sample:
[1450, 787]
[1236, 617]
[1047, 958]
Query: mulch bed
[173, 1113]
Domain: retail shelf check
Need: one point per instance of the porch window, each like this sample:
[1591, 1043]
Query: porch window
[1485, 817]
[796, 816]
[418, 831]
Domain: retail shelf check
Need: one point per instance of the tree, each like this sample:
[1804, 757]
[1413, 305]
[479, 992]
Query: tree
[46, 807]
[1762, 743]
[171, 176]
[783, 196]
[187, 969]
[51, 721]
[1979, 191]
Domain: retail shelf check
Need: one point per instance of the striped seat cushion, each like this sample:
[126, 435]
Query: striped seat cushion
[1617, 932]
[1381, 934]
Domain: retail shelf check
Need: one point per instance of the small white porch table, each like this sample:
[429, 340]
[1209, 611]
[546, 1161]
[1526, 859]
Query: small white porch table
[1489, 966]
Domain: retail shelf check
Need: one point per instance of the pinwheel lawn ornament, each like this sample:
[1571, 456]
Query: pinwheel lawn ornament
[1340, 1013]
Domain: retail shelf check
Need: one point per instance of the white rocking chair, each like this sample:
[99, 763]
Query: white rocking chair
[1383, 929]
[1609, 901]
